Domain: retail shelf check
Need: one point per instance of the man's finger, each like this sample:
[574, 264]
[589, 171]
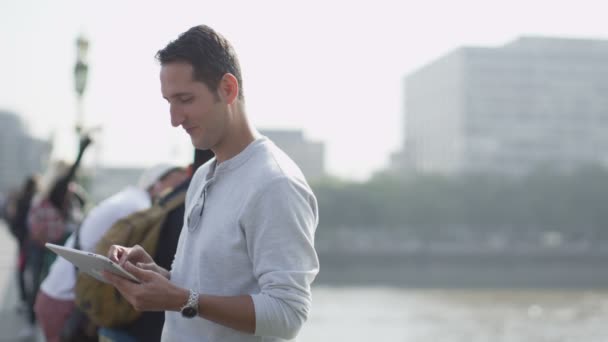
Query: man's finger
[138, 272]
[124, 256]
[113, 253]
[149, 266]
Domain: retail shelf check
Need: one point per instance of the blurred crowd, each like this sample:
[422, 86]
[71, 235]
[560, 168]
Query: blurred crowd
[54, 207]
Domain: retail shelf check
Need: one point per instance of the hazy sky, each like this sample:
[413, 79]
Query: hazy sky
[332, 68]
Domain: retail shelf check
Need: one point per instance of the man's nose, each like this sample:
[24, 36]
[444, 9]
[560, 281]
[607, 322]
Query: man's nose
[177, 117]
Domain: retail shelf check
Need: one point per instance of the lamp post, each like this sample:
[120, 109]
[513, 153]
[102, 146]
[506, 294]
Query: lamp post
[81, 70]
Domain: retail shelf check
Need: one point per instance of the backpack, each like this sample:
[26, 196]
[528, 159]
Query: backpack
[103, 303]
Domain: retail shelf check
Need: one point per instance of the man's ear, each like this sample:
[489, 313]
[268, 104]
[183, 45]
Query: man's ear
[229, 88]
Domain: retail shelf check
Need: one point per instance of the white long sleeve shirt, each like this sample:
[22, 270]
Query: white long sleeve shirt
[256, 237]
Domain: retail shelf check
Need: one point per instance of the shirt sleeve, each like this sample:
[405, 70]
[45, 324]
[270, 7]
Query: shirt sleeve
[279, 227]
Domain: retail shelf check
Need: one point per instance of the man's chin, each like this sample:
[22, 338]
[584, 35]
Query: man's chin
[198, 144]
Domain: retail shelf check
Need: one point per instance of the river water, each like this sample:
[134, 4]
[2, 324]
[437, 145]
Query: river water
[408, 315]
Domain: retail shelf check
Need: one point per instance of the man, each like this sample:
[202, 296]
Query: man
[55, 300]
[245, 259]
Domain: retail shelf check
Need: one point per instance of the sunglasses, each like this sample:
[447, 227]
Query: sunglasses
[196, 214]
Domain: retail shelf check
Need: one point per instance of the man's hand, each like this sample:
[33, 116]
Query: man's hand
[135, 255]
[154, 293]
[154, 268]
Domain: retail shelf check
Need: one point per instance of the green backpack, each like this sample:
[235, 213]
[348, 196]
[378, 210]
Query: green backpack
[102, 303]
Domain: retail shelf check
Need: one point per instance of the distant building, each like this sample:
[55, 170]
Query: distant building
[533, 102]
[309, 155]
[20, 153]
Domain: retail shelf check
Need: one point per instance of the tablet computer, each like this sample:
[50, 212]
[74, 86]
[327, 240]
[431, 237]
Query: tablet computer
[91, 263]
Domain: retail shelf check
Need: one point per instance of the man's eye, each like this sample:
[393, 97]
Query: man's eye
[186, 99]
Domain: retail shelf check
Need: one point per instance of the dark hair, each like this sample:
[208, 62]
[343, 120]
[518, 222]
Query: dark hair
[209, 53]
[31, 185]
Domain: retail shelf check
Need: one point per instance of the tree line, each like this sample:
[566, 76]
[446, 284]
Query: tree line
[543, 198]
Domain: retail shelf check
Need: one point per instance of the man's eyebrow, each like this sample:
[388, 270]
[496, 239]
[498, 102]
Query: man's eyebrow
[172, 96]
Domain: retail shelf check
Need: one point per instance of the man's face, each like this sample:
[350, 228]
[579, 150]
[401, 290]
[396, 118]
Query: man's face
[201, 112]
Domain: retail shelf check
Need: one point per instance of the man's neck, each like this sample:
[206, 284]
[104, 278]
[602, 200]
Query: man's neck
[238, 137]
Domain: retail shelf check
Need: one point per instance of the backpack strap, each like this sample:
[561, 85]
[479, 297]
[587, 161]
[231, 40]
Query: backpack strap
[174, 201]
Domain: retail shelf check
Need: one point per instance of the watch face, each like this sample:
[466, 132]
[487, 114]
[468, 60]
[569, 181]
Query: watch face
[189, 312]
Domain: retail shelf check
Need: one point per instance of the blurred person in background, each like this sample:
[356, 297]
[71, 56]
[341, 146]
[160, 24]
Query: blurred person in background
[18, 226]
[55, 300]
[9, 206]
[54, 213]
[3, 203]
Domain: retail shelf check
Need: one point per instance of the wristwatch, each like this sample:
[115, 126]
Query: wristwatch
[190, 310]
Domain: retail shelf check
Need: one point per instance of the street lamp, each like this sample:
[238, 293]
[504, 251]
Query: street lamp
[81, 70]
